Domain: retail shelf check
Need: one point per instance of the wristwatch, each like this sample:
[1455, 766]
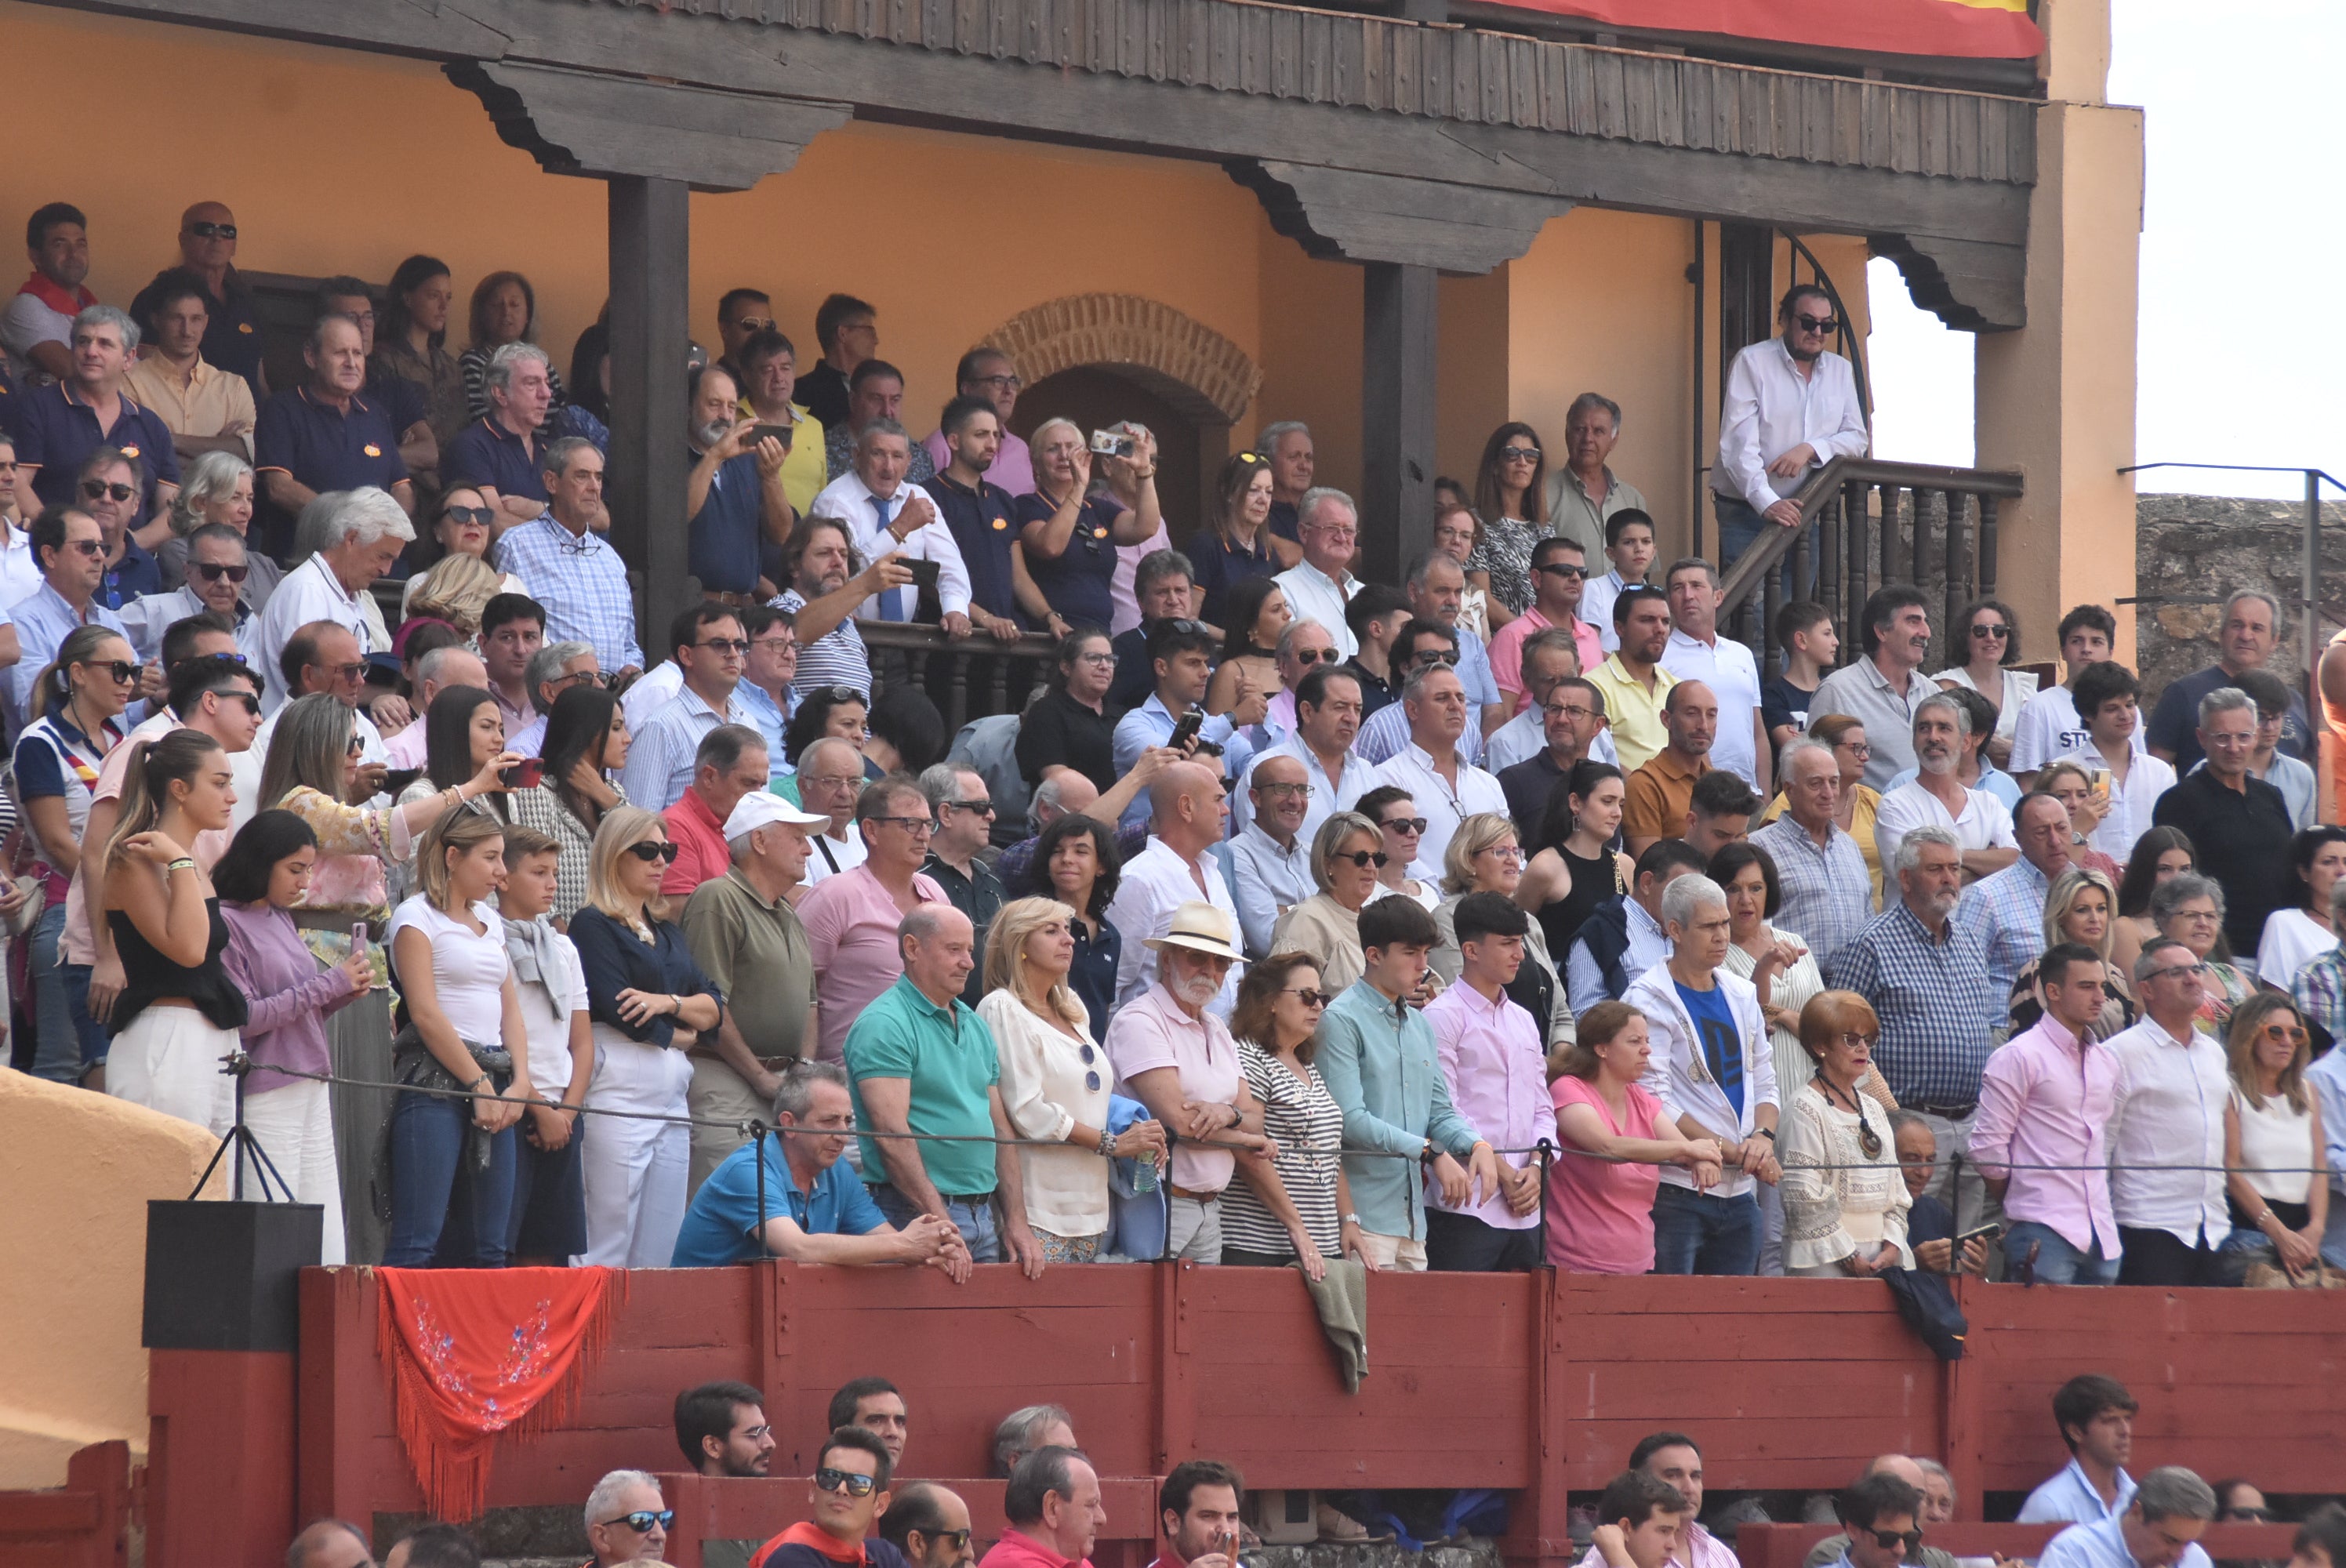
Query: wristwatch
[1351, 1220]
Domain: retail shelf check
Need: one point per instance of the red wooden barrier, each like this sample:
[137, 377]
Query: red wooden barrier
[1787, 1545]
[85, 1525]
[739, 1510]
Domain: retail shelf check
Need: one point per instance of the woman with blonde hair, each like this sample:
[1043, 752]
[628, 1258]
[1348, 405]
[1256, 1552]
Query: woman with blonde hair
[2081, 907]
[455, 591]
[1486, 856]
[1845, 1199]
[464, 1036]
[1055, 1080]
[1616, 1137]
[1073, 537]
[1346, 854]
[217, 487]
[1296, 1208]
[648, 1004]
[2274, 1150]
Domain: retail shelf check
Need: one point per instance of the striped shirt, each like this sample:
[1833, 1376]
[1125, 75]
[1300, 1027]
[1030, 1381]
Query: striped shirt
[659, 762]
[1309, 1130]
[1937, 1007]
[838, 657]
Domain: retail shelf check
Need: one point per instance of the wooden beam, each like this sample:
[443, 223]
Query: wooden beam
[650, 283]
[1341, 215]
[1973, 286]
[1399, 336]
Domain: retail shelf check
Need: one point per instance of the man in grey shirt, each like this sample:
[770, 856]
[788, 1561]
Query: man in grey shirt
[1882, 688]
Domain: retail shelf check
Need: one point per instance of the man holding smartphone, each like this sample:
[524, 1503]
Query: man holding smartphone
[1197, 1510]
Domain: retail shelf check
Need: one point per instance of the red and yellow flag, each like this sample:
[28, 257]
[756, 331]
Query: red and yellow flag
[1986, 29]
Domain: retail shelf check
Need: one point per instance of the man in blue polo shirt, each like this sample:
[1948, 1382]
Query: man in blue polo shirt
[402, 401]
[816, 1209]
[978, 514]
[497, 454]
[327, 435]
[71, 551]
[60, 425]
[738, 511]
[107, 488]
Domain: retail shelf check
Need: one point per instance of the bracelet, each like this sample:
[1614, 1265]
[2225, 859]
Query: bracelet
[175, 865]
[475, 1086]
[1107, 1145]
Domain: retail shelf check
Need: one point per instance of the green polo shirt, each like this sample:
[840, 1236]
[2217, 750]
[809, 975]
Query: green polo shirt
[951, 1063]
[761, 948]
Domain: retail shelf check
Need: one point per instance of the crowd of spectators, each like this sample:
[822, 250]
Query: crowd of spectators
[1503, 914]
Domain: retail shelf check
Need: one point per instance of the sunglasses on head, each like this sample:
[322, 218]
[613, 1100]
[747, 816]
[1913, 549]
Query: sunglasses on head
[829, 1480]
[652, 850]
[836, 694]
[1363, 859]
[642, 1520]
[213, 571]
[99, 489]
[213, 230]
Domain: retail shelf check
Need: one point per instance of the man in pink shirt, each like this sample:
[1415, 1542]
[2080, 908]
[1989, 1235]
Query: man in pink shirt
[1052, 1503]
[2046, 1096]
[731, 762]
[1559, 572]
[1673, 1457]
[1494, 1057]
[851, 918]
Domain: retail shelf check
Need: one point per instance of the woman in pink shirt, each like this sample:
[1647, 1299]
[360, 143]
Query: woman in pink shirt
[1600, 1216]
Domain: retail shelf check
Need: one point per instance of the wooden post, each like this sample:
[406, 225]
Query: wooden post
[1399, 336]
[650, 225]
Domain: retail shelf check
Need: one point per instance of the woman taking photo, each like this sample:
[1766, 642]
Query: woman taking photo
[504, 311]
[411, 341]
[1070, 726]
[217, 487]
[288, 998]
[649, 1004]
[1236, 544]
[178, 1013]
[1600, 1201]
[2158, 854]
[1985, 637]
[2077, 909]
[1295, 1208]
[1071, 536]
[585, 746]
[1511, 506]
[1055, 1079]
[2294, 938]
[2189, 909]
[1400, 832]
[1256, 613]
[2278, 1185]
[463, 1061]
[1845, 1200]
[77, 704]
[1076, 862]
[1326, 927]
[1484, 856]
[1574, 867]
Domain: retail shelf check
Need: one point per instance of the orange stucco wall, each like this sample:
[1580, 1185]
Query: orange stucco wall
[78, 1169]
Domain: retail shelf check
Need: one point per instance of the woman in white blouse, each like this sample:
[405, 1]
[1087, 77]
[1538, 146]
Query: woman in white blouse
[2295, 937]
[1985, 642]
[2278, 1189]
[1054, 1081]
[1845, 1201]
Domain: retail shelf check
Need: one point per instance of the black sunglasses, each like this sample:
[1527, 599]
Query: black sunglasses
[213, 230]
[649, 850]
[1310, 996]
[642, 1520]
[479, 516]
[1309, 656]
[829, 1480]
[1435, 656]
[212, 572]
[97, 488]
[1403, 825]
[958, 1538]
[123, 674]
[838, 694]
[1519, 454]
[1563, 569]
[251, 703]
[1364, 858]
[1904, 1540]
[1815, 324]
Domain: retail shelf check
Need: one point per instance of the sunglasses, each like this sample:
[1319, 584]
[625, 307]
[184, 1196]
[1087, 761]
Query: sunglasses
[93, 548]
[1091, 1075]
[213, 230]
[99, 489]
[1519, 454]
[355, 670]
[642, 1520]
[1904, 1541]
[1565, 569]
[728, 648]
[1435, 656]
[251, 703]
[652, 850]
[357, 746]
[836, 694]
[1364, 858]
[1816, 323]
[123, 674]
[1310, 996]
[829, 1480]
[473, 516]
[981, 808]
[1309, 656]
[1981, 633]
[1409, 826]
[212, 572]
[957, 1538]
[2279, 1034]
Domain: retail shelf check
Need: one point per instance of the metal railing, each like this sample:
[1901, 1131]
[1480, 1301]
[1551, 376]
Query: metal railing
[1865, 525]
[967, 678]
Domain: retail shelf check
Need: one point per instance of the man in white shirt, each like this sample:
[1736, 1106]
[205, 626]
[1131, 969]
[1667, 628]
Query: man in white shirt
[1937, 797]
[215, 571]
[369, 531]
[1322, 583]
[1327, 718]
[1177, 868]
[1271, 860]
[2167, 1117]
[830, 777]
[1790, 407]
[2050, 725]
[2108, 699]
[1446, 787]
[661, 758]
[891, 516]
[435, 673]
[1697, 652]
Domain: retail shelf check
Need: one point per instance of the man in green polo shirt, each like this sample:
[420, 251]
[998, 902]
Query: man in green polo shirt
[922, 1062]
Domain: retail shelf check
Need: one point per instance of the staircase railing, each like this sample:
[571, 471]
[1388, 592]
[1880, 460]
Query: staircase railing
[1865, 525]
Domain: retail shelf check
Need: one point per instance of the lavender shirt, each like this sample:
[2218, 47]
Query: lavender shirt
[289, 996]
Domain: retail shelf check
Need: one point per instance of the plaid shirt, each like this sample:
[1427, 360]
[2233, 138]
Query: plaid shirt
[2007, 911]
[1937, 1008]
[2320, 992]
[1828, 892]
[583, 585]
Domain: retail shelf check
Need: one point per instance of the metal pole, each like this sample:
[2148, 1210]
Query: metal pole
[1695, 498]
[2309, 590]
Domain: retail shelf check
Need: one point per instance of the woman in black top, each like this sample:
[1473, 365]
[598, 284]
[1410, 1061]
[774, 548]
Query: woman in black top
[647, 1003]
[1576, 867]
[1071, 726]
[1069, 536]
[178, 1013]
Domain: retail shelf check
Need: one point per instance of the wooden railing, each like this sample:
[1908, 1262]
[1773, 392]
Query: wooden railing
[1866, 525]
[967, 678]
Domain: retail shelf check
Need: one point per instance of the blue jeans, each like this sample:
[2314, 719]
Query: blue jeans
[56, 1042]
[95, 1039]
[2057, 1261]
[445, 1211]
[1696, 1233]
[2333, 1238]
[974, 1217]
[1739, 525]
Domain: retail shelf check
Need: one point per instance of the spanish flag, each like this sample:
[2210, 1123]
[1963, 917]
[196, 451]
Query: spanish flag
[1985, 29]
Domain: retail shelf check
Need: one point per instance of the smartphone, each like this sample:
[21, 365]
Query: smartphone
[1187, 730]
[359, 934]
[523, 774]
[759, 433]
[1984, 1233]
[395, 780]
[1112, 443]
[925, 572]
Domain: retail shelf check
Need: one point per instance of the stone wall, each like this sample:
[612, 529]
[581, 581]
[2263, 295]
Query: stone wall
[2194, 551]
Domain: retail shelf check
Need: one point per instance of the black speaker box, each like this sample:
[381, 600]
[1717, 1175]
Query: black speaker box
[223, 1275]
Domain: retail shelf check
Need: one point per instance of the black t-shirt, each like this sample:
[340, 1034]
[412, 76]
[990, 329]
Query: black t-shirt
[1059, 729]
[1782, 703]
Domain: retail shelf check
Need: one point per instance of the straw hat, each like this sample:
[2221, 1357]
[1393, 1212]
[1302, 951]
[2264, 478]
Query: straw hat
[1200, 927]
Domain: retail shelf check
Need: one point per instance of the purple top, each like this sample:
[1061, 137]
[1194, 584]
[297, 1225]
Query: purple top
[289, 996]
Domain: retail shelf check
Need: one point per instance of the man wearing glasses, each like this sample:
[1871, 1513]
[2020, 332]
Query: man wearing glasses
[1571, 715]
[848, 1495]
[1318, 587]
[1423, 645]
[70, 549]
[625, 1521]
[2173, 1086]
[1790, 407]
[1883, 1517]
[965, 824]
[708, 647]
[993, 375]
[1559, 575]
[108, 488]
[215, 571]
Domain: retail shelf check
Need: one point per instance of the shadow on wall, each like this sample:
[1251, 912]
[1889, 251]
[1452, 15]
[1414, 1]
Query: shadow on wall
[2193, 552]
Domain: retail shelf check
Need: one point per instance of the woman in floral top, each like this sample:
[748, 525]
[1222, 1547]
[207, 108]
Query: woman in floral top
[1511, 500]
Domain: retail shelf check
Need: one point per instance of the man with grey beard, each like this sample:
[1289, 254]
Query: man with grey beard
[1936, 797]
[734, 497]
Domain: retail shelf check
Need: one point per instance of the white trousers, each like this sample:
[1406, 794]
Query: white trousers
[169, 1060]
[635, 1171]
[295, 1126]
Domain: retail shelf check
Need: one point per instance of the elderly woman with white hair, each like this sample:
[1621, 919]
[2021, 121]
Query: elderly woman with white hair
[217, 487]
[1073, 538]
[352, 536]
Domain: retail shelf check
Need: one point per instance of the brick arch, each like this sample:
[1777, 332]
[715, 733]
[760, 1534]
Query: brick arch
[1182, 360]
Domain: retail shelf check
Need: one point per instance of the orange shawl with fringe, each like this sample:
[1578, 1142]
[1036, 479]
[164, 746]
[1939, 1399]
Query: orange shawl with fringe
[472, 1353]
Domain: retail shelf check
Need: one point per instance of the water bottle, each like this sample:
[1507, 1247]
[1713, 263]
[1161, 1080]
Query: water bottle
[1144, 1174]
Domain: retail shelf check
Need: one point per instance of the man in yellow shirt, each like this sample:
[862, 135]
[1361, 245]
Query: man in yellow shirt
[1633, 681]
[769, 374]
